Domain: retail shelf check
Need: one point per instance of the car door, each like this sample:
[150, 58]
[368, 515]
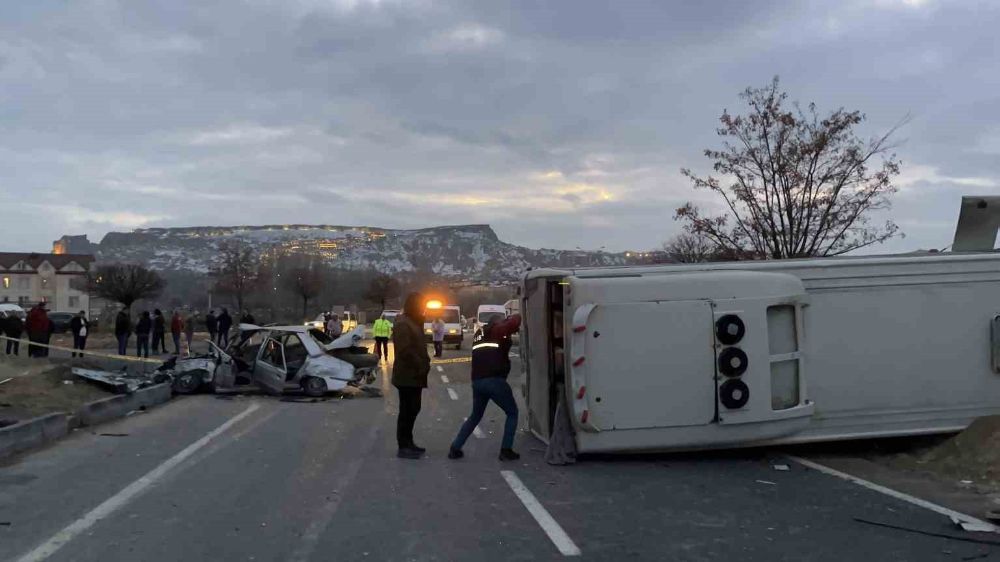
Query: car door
[269, 370]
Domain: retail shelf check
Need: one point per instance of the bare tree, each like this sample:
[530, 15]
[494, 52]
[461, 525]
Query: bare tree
[305, 282]
[381, 289]
[124, 283]
[691, 248]
[799, 184]
[239, 271]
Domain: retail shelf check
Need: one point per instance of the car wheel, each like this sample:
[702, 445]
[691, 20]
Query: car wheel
[314, 386]
[188, 382]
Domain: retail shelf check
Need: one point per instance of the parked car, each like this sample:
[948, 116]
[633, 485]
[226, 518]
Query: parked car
[61, 321]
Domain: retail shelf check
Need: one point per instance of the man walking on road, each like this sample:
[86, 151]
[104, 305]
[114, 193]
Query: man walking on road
[80, 328]
[142, 329]
[123, 328]
[490, 367]
[409, 372]
[176, 327]
[382, 331]
[437, 334]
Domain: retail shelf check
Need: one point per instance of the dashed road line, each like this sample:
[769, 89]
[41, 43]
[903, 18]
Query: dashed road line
[444, 379]
[440, 368]
[555, 532]
[479, 433]
[126, 495]
[892, 493]
[452, 394]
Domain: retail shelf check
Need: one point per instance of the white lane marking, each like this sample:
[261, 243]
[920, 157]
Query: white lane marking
[477, 432]
[556, 533]
[118, 500]
[444, 379]
[440, 368]
[892, 493]
[452, 394]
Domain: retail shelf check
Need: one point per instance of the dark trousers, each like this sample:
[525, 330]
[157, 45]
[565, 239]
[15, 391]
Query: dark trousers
[223, 339]
[484, 390]
[159, 342]
[438, 348]
[122, 344]
[79, 342]
[13, 346]
[34, 350]
[142, 345]
[409, 407]
[177, 342]
[382, 347]
[189, 338]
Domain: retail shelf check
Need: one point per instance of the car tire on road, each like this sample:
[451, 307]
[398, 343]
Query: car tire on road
[314, 386]
[188, 382]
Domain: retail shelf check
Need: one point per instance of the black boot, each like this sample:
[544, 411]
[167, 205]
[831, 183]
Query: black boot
[509, 455]
[415, 447]
[409, 453]
[454, 453]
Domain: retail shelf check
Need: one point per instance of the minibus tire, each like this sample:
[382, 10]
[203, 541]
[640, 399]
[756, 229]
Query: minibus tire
[728, 391]
[722, 326]
[726, 362]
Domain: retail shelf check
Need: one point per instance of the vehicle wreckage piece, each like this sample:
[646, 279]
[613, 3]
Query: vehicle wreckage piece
[122, 382]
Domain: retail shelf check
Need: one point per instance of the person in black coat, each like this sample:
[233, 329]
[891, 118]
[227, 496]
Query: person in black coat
[159, 332]
[142, 330]
[225, 323]
[123, 329]
[13, 327]
[211, 325]
[80, 328]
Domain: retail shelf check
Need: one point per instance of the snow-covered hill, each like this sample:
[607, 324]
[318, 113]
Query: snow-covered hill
[471, 252]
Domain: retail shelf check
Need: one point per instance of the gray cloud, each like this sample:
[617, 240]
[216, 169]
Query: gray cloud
[561, 123]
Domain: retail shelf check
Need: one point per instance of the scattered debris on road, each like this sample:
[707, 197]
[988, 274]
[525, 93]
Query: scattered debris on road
[113, 434]
[767, 482]
[781, 467]
[6, 380]
[974, 526]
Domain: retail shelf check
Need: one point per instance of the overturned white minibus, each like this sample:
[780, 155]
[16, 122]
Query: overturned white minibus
[753, 353]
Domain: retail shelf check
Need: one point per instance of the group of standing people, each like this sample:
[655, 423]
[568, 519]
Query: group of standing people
[152, 329]
[490, 367]
[218, 326]
[40, 328]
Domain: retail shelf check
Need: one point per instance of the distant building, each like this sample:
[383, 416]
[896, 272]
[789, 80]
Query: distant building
[78, 244]
[29, 278]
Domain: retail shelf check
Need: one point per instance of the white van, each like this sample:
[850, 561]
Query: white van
[487, 312]
[451, 314]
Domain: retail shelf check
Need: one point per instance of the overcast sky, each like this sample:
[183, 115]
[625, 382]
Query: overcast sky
[562, 123]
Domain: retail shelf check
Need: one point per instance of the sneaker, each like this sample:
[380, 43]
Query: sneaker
[454, 453]
[415, 447]
[409, 453]
[508, 455]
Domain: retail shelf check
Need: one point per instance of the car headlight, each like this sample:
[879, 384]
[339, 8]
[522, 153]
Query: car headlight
[452, 331]
[428, 331]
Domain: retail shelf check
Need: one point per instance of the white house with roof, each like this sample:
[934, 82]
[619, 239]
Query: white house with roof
[57, 279]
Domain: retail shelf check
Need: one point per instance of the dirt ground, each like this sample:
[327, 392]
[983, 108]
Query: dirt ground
[41, 386]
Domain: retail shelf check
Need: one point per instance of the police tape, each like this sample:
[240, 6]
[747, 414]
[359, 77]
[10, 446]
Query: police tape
[84, 352]
[446, 361]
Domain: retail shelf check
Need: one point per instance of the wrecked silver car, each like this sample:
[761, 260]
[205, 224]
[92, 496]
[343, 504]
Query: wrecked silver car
[278, 359]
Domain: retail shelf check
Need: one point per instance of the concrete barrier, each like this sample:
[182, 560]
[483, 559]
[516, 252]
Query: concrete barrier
[43, 430]
[32, 433]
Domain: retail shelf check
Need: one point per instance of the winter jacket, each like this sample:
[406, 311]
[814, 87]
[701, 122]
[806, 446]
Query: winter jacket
[123, 324]
[176, 325]
[159, 324]
[437, 329]
[211, 323]
[13, 327]
[38, 322]
[382, 328]
[225, 322]
[491, 349]
[189, 326]
[77, 324]
[143, 326]
[247, 319]
[412, 361]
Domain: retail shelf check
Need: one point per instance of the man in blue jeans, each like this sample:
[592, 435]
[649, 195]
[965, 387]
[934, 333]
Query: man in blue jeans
[490, 367]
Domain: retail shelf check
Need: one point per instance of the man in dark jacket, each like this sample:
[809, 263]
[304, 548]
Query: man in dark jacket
[490, 367]
[38, 326]
[211, 325]
[13, 328]
[247, 318]
[159, 332]
[80, 328]
[123, 328]
[142, 329]
[225, 323]
[409, 372]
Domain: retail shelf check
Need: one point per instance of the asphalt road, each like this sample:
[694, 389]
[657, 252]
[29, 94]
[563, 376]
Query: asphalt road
[255, 478]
